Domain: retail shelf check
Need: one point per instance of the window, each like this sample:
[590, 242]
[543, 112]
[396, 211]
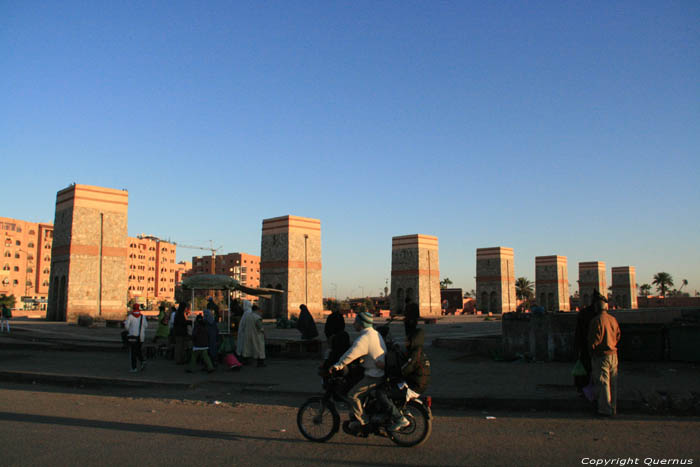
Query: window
[46, 270]
[31, 232]
[30, 270]
[47, 246]
[30, 245]
[6, 267]
[16, 268]
[8, 254]
[15, 282]
[47, 258]
[6, 282]
[45, 283]
[18, 243]
[16, 255]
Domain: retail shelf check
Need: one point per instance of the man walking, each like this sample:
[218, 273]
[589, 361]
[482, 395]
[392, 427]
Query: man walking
[603, 337]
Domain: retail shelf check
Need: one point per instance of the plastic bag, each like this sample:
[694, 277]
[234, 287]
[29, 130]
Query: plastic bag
[578, 369]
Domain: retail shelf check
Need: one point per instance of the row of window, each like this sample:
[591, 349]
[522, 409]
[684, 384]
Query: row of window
[6, 267]
[6, 282]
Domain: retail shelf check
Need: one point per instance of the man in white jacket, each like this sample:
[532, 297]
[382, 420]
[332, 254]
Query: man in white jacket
[370, 345]
[136, 325]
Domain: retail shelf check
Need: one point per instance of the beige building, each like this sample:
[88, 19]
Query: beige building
[624, 287]
[25, 270]
[552, 283]
[290, 260]
[415, 273]
[89, 255]
[495, 280]
[242, 267]
[591, 277]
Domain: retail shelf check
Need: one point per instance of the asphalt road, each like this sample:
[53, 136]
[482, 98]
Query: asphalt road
[44, 425]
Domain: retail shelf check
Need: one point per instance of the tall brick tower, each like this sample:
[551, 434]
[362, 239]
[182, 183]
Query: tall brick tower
[290, 259]
[88, 258]
[495, 280]
[415, 273]
[624, 287]
[552, 283]
[591, 276]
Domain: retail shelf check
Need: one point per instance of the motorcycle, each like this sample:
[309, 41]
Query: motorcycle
[318, 418]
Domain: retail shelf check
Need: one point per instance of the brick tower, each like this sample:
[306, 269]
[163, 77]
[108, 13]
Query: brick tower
[624, 287]
[591, 276]
[88, 258]
[415, 273]
[552, 283]
[495, 280]
[290, 259]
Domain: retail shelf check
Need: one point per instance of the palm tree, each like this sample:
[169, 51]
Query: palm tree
[445, 283]
[523, 288]
[644, 290]
[683, 284]
[662, 281]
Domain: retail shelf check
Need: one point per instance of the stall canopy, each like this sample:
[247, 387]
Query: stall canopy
[222, 282]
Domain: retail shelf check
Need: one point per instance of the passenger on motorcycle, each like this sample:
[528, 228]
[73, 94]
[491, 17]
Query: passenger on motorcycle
[370, 345]
[410, 370]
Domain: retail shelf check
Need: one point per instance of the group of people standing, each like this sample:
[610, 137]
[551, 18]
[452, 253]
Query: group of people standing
[178, 330]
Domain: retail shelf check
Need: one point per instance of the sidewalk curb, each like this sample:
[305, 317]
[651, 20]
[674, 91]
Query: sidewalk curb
[455, 403]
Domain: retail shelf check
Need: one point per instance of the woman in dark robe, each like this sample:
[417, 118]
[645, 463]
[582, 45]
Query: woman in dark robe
[306, 324]
[583, 321]
[337, 340]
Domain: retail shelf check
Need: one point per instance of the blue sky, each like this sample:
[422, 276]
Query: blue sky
[568, 128]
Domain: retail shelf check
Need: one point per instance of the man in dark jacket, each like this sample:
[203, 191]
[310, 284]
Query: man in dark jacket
[180, 331]
[603, 337]
[200, 345]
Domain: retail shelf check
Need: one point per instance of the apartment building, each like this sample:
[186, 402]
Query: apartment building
[243, 267]
[151, 269]
[26, 261]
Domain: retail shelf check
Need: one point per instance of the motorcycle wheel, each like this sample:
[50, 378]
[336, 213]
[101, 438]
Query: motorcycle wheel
[419, 429]
[317, 420]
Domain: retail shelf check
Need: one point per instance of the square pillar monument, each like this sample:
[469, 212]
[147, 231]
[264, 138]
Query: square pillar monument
[591, 276]
[552, 283]
[624, 287]
[495, 280]
[290, 259]
[415, 273]
[88, 257]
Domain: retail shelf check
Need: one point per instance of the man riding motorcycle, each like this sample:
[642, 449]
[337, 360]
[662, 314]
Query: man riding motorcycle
[370, 345]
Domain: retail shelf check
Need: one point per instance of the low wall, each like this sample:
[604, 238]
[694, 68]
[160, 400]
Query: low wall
[647, 335]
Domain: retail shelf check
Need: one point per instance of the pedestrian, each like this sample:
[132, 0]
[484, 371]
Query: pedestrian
[253, 335]
[180, 332]
[135, 326]
[5, 318]
[212, 334]
[306, 324]
[163, 330]
[214, 308]
[200, 345]
[242, 329]
[337, 341]
[603, 337]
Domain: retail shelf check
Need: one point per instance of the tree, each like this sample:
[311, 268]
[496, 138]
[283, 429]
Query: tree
[471, 293]
[662, 281]
[644, 290]
[8, 300]
[683, 284]
[445, 283]
[523, 289]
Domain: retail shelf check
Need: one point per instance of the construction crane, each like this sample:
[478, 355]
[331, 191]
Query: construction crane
[211, 248]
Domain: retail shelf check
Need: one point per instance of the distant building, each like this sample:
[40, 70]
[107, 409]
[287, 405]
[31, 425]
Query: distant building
[181, 269]
[242, 267]
[151, 269]
[25, 261]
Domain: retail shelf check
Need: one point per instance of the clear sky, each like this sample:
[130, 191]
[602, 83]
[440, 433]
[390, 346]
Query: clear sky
[568, 128]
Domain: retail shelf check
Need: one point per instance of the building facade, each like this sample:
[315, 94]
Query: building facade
[624, 287]
[151, 270]
[415, 273]
[495, 280]
[552, 283]
[26, 261]
[290, 260]
[591, 278]
[242, 267]
[89, 254]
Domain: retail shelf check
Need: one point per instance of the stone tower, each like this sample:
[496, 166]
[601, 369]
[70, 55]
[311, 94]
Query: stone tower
[591, 276]
[495, 280]
[624, 287]
[415, 273]
[88, 258]
[290, 259]
[552, 283]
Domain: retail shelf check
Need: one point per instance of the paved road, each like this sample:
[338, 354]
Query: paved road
[43, 425]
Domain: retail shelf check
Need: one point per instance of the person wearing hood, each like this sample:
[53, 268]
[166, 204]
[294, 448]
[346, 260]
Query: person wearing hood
[252, 335]
[136, 325]
[213, 334]
[337, 340]
[603, 337]
[306, 324]
[370, 345]
[214, 308]
[180, 331]
[242, 328]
